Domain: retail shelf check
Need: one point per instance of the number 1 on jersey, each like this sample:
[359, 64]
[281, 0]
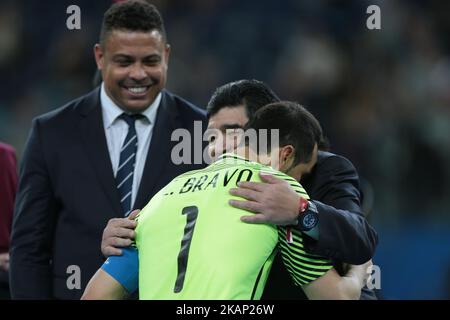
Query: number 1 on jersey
[191, 218]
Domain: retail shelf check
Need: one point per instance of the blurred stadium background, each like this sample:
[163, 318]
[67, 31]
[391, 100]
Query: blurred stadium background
[382, 96]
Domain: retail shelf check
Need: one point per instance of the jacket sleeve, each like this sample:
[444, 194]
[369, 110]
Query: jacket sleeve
[33, 225]
[344, 233]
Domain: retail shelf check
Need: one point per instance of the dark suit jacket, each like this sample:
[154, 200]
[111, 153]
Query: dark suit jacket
[67, 192]
[345, 234]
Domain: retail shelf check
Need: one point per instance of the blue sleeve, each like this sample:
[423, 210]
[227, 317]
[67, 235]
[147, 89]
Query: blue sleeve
[124, 268]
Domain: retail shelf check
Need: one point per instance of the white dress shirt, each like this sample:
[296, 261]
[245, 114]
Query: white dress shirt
[116, 131]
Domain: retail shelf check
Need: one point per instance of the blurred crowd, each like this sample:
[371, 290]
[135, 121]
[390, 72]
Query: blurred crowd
[382, 96]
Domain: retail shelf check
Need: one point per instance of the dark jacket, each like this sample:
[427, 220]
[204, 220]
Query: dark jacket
[67, 193]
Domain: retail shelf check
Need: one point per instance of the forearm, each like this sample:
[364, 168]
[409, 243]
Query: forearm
[331, 286]
[345, 289]
[350, 285]
[348, 288]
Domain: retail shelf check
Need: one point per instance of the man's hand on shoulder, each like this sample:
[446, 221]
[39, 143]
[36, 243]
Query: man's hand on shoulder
[273, 201]
[119, 233]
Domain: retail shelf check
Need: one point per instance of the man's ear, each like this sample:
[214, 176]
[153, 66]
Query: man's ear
[167, 53]
[287, 154]
[98, 53]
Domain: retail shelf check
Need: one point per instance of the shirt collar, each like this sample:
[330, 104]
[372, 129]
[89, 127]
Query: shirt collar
[229, 155]
[111, 111]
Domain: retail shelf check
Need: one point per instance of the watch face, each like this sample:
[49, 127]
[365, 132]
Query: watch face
[309, 220]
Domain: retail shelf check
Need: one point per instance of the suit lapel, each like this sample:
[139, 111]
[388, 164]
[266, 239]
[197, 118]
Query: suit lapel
[94, 140]
[158, 156]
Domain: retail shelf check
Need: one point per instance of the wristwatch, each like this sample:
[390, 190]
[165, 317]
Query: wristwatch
[308, 216]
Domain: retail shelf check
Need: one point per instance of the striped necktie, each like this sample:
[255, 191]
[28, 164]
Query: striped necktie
[125, 171]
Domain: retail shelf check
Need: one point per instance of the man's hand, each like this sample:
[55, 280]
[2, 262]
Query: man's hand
[119, 233]
[360, 272]
[274, 202]
[4, 261]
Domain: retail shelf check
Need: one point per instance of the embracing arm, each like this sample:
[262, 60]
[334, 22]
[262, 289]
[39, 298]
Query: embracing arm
[344, 232]
[332, 286]
[116, 279]
[103, 286]
[315, 274]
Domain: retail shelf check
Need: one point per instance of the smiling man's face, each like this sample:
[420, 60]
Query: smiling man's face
[134, 67]
[227, 120]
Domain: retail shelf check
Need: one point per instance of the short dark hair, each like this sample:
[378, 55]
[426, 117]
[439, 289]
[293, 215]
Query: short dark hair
[253, 94]
[296, 125]
[132, 15]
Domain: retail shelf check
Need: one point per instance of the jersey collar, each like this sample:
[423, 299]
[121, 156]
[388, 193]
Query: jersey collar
[233, 156]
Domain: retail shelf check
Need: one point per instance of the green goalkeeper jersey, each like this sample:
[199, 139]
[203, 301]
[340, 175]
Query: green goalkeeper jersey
[193, 245]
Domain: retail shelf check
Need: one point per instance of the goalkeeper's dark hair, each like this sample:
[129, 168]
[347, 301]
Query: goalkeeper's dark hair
[296, 125]
[132, 15]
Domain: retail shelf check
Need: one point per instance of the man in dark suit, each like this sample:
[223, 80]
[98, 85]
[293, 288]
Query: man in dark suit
[8, 186]
[97, 158]
[341, 231]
